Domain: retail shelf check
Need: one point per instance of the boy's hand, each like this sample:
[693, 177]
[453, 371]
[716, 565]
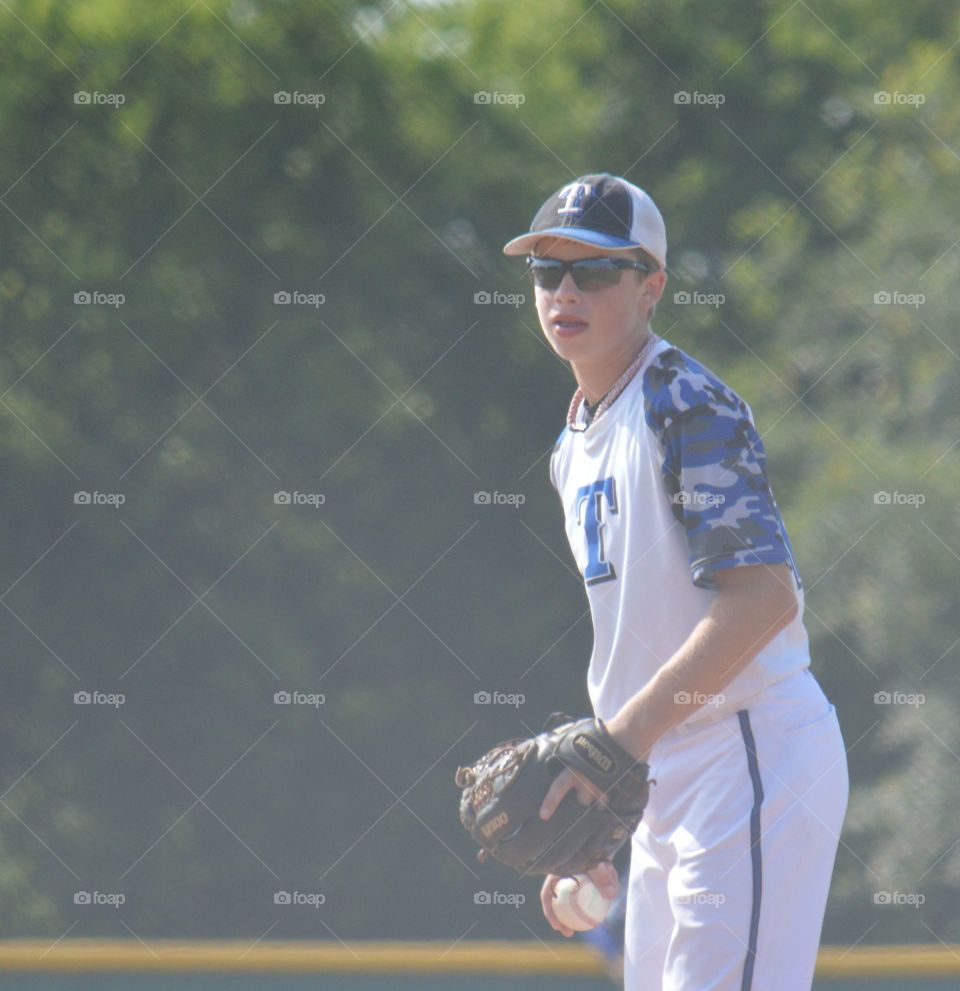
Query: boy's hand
[587, 792]
[557, 803]
[604, 876]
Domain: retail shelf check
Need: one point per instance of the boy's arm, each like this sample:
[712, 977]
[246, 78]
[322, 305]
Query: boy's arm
[753, 603]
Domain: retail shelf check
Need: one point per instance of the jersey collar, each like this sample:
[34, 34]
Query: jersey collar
[577, 413]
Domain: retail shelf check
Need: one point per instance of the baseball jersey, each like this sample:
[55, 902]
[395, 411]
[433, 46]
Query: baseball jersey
[665, 489]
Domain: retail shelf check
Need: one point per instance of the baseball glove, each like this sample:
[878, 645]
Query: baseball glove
[503, 791]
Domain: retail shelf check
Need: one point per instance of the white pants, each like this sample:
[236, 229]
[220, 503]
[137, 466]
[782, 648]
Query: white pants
[731, 865]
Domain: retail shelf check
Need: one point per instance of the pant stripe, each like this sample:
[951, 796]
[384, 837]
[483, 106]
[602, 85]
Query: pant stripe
[755, 856]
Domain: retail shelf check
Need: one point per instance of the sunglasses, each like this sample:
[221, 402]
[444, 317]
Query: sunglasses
[588, 273]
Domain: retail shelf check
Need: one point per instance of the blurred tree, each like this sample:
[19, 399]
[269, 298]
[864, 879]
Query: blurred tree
[366, 163]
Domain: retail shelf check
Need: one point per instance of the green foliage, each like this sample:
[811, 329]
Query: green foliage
[799, 199]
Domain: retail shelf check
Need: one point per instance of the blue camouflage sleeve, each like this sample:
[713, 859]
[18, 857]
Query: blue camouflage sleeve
[714, 469]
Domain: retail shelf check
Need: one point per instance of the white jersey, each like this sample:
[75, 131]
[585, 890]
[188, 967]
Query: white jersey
[662, 491]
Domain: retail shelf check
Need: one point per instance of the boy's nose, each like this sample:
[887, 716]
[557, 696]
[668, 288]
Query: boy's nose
[567, 286]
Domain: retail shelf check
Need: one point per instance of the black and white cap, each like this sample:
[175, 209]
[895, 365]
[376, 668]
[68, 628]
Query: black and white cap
[599, 209]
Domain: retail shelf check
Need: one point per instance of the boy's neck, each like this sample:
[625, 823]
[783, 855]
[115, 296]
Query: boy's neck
[597, 380]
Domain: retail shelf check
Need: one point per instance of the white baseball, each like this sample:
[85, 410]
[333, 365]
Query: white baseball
[578, 903]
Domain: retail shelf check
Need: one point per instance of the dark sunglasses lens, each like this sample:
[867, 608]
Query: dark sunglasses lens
[587, 274]
[596, 276]
[546, 276]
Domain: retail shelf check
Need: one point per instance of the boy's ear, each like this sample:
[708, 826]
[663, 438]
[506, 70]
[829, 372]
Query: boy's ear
[652, 290]
[654, 284]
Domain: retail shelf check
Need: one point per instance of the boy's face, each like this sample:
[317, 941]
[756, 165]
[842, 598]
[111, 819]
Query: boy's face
[600, 325]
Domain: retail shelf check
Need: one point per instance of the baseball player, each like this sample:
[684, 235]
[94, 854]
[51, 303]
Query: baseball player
[701, 662]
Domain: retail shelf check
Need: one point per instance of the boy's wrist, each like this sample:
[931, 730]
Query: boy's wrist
[630, 740]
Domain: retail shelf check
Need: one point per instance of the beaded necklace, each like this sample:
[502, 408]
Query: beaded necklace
[611, 394]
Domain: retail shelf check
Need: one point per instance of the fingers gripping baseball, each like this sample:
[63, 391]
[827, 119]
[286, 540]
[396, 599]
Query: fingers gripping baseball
[546, 902]
[603, 875]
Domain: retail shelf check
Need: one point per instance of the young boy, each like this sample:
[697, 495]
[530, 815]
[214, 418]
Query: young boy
[700, 663]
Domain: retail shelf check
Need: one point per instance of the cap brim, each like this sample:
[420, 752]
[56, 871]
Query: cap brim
[525, 243]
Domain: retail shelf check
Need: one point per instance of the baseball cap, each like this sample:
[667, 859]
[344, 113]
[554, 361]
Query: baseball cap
[599, 209]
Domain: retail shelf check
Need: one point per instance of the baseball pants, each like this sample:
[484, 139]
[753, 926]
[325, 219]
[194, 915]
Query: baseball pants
[731, 865]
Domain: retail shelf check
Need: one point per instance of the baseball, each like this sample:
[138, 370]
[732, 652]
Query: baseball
[578, 904]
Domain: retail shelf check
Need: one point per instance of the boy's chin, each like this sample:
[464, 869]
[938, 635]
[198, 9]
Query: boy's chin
[567, 350]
